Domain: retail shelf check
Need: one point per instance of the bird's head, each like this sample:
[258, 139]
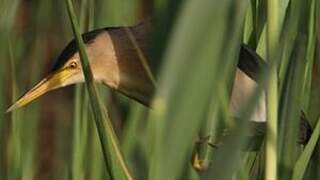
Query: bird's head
[68, 70]
[113, 61]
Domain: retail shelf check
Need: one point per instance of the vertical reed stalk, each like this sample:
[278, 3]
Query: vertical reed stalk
[272, 89]
[112, 154]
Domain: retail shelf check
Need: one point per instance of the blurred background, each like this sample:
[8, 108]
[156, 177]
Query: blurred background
[37, 142]
[54, 137]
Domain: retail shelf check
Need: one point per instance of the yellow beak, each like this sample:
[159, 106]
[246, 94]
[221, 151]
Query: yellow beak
[51, 82]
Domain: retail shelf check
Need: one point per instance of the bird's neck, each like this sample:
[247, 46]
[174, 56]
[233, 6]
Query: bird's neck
[133, 79]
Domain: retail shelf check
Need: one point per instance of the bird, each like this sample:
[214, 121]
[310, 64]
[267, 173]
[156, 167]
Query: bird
[115, 62]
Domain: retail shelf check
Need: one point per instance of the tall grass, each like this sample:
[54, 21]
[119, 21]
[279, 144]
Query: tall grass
[70, 133]
[273, 31]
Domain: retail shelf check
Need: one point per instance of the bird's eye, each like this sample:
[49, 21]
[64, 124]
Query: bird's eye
[73, 65]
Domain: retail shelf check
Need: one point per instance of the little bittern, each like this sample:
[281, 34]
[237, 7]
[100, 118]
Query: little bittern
[115, 62]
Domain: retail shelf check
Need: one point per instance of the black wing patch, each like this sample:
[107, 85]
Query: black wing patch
[250, 62]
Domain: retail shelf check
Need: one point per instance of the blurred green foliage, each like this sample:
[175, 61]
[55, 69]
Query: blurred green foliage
[194, 56]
